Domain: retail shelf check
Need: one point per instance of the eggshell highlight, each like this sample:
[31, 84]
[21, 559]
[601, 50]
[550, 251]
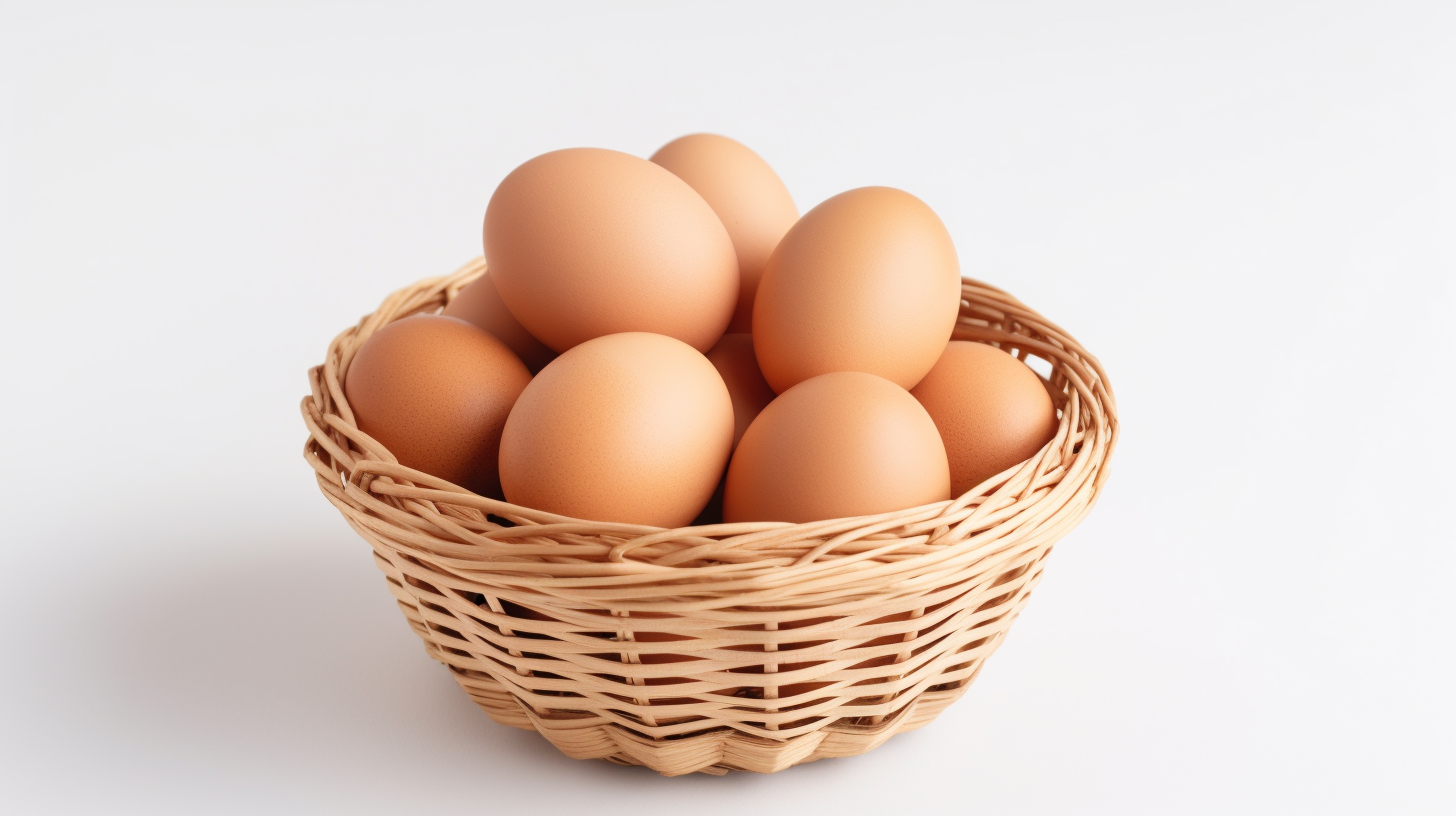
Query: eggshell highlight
[631, 427]
[436, 391]
[866, 281]
[990, 408]
[748, 196]
[837, 445]
[585, 242]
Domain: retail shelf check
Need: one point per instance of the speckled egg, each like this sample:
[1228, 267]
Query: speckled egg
[436, 391]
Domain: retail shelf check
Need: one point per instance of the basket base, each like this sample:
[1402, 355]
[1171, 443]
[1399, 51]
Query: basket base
[715, 752]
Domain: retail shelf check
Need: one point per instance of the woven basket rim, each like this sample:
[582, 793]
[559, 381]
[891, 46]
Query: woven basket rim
[376, 473]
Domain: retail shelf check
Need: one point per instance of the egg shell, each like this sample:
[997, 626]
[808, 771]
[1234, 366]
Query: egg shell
[584, 242]
[866, 281]
[748, 196]
[630, 427]
[837, 445]
[436, 391]
[991, 409]
[479, 303]
[733, 357]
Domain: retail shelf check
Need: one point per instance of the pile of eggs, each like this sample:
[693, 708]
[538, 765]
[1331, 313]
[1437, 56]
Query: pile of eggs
[666, 341]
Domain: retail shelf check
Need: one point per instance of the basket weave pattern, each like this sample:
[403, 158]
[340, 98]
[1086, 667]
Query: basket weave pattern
[750, 646]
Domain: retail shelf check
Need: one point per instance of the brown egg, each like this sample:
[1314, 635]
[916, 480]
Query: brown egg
[480, 304]
[630, 427]
[584, 243]
[867, 281]
[436, 391]
[837, 445]
[733, 357]
[991, 409]
[748, 196]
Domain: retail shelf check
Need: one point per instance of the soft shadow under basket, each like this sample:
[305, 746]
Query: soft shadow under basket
[751, 646]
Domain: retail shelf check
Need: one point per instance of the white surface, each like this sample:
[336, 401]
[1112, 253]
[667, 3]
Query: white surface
[1246, 209]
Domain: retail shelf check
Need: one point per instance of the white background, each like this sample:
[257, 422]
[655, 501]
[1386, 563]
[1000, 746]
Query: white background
[1246, 209]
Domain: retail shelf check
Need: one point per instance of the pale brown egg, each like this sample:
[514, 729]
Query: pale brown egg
[733, 357]
[836, 445]
[748, 196]
[991, 409]
[584, 242]
[480, 304]
[436, 391]
[631, 427]
[866, 281]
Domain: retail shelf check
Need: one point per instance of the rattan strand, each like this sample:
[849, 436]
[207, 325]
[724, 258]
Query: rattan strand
[752, 646]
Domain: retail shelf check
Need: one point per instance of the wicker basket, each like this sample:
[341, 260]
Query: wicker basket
[752, 646]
